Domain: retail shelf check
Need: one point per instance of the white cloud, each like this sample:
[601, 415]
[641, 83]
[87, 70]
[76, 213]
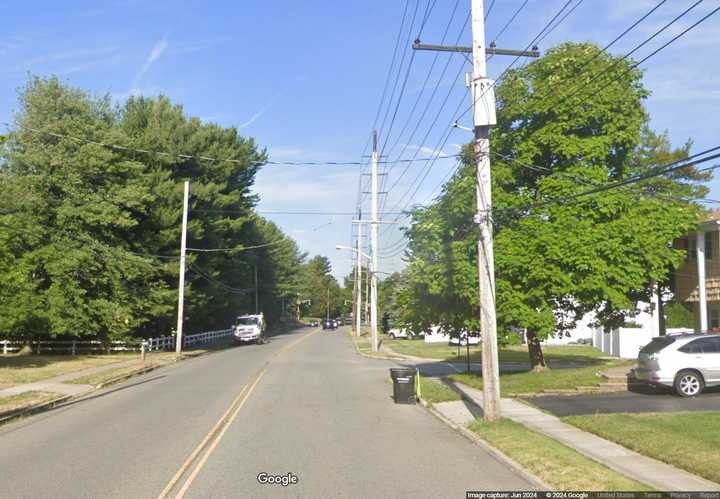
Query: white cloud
[262, 111]
[155, 54]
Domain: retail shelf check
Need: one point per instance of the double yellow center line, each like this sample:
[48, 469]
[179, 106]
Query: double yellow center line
[216, 433]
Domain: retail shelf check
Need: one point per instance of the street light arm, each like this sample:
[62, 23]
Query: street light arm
[354, 250]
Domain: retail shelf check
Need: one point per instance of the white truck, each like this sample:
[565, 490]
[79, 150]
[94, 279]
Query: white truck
[249, 328]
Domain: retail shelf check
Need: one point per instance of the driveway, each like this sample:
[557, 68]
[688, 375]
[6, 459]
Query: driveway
[645, 401]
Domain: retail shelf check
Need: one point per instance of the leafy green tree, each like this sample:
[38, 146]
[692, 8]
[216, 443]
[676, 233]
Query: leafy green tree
[321, 289]
[557, 256]
[89, 234]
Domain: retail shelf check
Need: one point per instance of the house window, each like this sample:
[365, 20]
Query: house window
[710, 245]
[714, 317]
[692, 249]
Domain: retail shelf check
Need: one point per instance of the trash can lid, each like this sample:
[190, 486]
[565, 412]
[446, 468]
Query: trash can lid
[402, 371]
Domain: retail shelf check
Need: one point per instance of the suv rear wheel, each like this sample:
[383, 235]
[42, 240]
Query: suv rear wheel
[689, 383]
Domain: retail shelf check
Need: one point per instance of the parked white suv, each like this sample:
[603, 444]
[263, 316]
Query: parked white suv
[687, 362]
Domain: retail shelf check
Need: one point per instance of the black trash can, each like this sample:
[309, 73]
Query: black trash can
[403, 384]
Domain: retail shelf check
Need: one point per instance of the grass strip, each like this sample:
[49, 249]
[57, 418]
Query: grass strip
[512, 354]
[433, 391]
[25, 399]
[557, 465]
[687, 440]
[16, 369]
[534, 382]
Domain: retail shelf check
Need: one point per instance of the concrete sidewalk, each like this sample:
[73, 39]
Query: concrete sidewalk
[58, 384]
[657, 474]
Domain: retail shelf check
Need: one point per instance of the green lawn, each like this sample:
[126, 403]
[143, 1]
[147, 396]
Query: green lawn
[433, 391]
[443, 351]
[534, 382]
[559, 466]
[16, 369]
[25, 399]
[687, 440]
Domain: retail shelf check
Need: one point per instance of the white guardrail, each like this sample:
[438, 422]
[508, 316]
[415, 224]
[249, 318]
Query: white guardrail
[74, 347]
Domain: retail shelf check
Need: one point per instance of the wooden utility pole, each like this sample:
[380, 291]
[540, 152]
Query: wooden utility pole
[358, 282]
[374, 243]
[483, 119]
[483, 106]
[257, 299]
[181, 283]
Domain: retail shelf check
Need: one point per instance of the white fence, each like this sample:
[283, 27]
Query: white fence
[74, 347]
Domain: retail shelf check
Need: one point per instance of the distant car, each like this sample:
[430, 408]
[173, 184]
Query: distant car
[463, 339]
[398, 333]
[686, 362]
[328, 324]
[348, 321]
[313, 323]
[404, 334]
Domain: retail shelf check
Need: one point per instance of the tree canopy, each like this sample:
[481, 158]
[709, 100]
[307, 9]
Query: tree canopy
[90, 227]
[557, 255]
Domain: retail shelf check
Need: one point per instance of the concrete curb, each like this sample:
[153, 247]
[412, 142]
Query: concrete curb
[32, 409]
[367, 356]
[129, 375]
[497, 454]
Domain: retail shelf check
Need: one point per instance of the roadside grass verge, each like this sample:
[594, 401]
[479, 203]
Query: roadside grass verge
[557, 465]
[25, 399]
[157, 359]
[534, 382]
[102, 377]
[16, 369]
[687, 440]
[433, 391]
[442, 351]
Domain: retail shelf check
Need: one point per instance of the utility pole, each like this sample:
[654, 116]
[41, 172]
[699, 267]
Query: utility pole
[257, 301]
[367, 295]
[374, 242]
[483, 104]
[181, 284]
[328, 304]
[358, 281]
[483, 119]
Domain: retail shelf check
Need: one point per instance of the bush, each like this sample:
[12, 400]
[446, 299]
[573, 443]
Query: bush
[679, 315]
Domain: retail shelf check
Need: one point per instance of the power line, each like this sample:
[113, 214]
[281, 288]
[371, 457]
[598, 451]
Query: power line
[507, 24]
[549, 27]
[243, 248]
[281, 212]
[397, 77]
[656, 172]
[207, 158]
[241, 291]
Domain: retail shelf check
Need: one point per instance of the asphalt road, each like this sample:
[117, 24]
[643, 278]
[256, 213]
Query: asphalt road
[646, 401]
[302, 404]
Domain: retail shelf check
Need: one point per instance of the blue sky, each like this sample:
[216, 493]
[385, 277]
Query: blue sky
[305, 79]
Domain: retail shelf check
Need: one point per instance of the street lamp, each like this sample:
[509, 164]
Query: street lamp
[341, 247]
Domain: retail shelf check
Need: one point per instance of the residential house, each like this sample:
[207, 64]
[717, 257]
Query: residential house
[697, 281]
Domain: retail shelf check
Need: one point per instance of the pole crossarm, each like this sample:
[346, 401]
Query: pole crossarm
[468, 50]
[387, 222]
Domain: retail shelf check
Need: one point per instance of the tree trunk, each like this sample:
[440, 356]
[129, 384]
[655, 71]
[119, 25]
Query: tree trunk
[537, 359]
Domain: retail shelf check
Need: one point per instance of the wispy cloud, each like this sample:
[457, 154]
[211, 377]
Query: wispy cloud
[262, 110]
[425, 150]
[155, 54]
